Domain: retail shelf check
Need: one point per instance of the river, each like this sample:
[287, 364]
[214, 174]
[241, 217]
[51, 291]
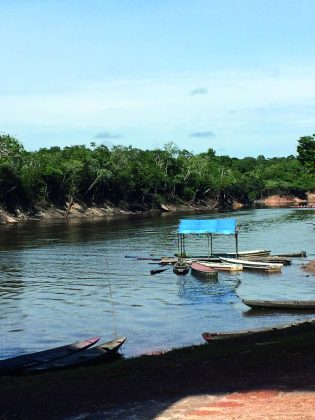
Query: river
[61, 281]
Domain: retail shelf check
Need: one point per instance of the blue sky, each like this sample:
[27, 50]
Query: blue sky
[237, 76]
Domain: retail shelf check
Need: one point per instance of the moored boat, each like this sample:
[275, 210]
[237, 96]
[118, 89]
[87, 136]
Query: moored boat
[254, 265]
[274, 259]
[18, 363]
[253, 252]
[280, 304]
[300, 254]
[181, 267]
[220, 266]
[101, 353]
[203, 271]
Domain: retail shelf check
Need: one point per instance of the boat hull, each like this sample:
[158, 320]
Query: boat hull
[223, 266]
[285, 304]
[180, 270]
[229, 335]
[104, 352]
[15, 364]
[255, 265]
[203, 271]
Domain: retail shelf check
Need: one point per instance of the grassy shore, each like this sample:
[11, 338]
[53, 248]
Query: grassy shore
[275, 359]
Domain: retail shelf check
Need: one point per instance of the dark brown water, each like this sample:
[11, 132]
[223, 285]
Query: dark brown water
[63, 281]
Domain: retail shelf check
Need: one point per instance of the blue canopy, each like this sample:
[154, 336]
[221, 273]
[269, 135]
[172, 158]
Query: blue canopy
[198, 226]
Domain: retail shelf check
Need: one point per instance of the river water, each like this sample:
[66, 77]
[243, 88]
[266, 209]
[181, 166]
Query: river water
[64, 281]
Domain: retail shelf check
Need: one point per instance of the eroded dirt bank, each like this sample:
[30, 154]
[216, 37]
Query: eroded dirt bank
[77, 210]
[81, 211]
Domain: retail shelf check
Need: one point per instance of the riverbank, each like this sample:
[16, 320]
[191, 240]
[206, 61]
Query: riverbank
[79, 210]
[276, 361]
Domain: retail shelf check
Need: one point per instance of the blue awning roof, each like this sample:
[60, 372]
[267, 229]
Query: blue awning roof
[198, 226]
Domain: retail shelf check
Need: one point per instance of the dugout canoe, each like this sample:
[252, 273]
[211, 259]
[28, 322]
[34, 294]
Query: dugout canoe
[228, 335]
[102, 353]
[280, 304]
[18, 363]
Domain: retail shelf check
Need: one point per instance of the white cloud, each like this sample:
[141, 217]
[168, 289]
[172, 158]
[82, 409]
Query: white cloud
[237, 105]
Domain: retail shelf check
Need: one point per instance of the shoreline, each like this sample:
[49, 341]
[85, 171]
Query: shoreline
[78, 210]
[278, 360]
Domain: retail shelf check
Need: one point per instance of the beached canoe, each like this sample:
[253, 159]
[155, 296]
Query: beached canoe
[254, 265]
[203, 271]
[103, 352]
[280, 304]
[18, 363]
[211, 336]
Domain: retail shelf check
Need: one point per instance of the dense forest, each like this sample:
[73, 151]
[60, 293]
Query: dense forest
[143, 179]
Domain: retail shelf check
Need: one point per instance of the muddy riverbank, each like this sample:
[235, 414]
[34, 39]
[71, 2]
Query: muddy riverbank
[79, 210]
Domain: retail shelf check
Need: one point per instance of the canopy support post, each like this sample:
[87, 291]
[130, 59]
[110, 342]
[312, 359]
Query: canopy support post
[208, 245]
[211, 244]
[236, 244]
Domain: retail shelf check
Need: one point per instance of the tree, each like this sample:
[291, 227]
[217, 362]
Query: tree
[12, 154]
[306, 153]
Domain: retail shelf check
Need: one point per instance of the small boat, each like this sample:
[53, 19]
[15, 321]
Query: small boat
[255, 265]
[300, 254]
[271, 259]
[211, 336]
[101, 353]
[181, 267]
[280, 304]
[222, 266]
[203, 271]
[256, 252]
[18, 363]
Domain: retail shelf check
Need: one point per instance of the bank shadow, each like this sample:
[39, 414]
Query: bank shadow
[149, 387]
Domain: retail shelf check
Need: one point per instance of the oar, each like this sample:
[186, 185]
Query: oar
[139, 258]
[159, 270]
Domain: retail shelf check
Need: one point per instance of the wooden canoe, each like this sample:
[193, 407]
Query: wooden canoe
[211, 336]
[300, 254]
[18, 363]
[254, 265]
[103, 352]
[280, 304]
[273, 259]
[203, 271]
[222, 266]
[257, 252]
[181, 267]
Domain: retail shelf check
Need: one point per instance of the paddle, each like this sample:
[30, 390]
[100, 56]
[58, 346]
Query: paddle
[160, 270]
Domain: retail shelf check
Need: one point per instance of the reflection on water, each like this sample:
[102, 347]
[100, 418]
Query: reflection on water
[62, 281]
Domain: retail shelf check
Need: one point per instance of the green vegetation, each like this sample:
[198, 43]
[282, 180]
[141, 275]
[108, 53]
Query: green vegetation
[145, 178]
